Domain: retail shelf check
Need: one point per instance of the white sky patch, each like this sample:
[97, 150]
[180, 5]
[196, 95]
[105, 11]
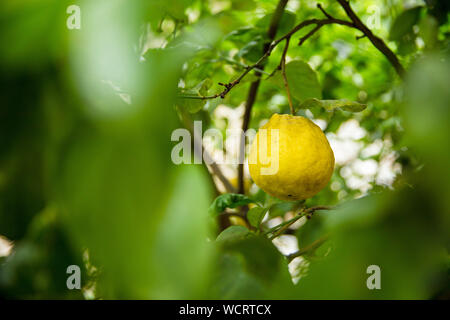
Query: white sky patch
[315, 61]
[293, 5]
[351, 130]
[389, 169]
[286, 243]
[274, 222]
[361, 174]
[6, 247]
[345, 150]
[321, 123]
[230, 119]
[365, 167]
[372, 149]
[358, 79]
[297, 268]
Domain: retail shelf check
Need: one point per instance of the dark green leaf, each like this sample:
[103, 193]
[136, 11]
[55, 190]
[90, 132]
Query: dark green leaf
[255, 216]
[262, 259]
[429, 31]
[280, 208]
[228, 200]
[330, 105]
[240, 5]
[233, 233]
[252, 51]
[403, 23]
[407, 44]
[286, 23]
[312, 230]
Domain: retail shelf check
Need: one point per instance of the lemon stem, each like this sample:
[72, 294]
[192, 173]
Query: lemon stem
[283, 72]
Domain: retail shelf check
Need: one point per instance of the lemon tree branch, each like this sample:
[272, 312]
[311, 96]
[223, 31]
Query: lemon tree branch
[355, 23]
[376, 41]
[313, 246]
[304, 212]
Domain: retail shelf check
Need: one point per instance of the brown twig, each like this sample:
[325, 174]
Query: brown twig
[377, 42]
[323, 11]
[355, 23]
[309, 34]
[304, 212]
[360, 37]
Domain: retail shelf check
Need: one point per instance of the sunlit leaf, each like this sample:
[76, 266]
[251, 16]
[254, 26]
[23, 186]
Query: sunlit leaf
[255, 216]
[330, 105]
[302, 80]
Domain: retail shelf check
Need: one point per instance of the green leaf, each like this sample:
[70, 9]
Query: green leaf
[407, 44]
[231, 280]
[240, 5]
[312, 230]
[255, 216]
[233, 233]
[280, 208]
[403, 23]
[302, 80]
[252, 51]
[429, 31]
[191, 105]
[228, 200]
[204, 86]
[330, 105]
[195, 105]
[286, 23]
[262, 259]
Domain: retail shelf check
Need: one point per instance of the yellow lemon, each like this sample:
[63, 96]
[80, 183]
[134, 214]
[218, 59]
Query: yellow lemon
[290, 158]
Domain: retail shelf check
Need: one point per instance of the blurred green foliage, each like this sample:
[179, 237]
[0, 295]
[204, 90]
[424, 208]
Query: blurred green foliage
[86, 176]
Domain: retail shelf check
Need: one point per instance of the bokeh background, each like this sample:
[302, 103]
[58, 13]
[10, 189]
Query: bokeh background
[86, 175]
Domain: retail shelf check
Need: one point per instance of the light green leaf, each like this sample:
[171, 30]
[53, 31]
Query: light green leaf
[191, 105]
[429, 31]
[195, 105]
[403, 23]
[302, 80]
[240, 5]
[233, 233]
[330, 105]
[204, 86]
[228, 200]
[255, 216]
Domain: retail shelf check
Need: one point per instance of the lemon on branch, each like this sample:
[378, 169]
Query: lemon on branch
[290, 158]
